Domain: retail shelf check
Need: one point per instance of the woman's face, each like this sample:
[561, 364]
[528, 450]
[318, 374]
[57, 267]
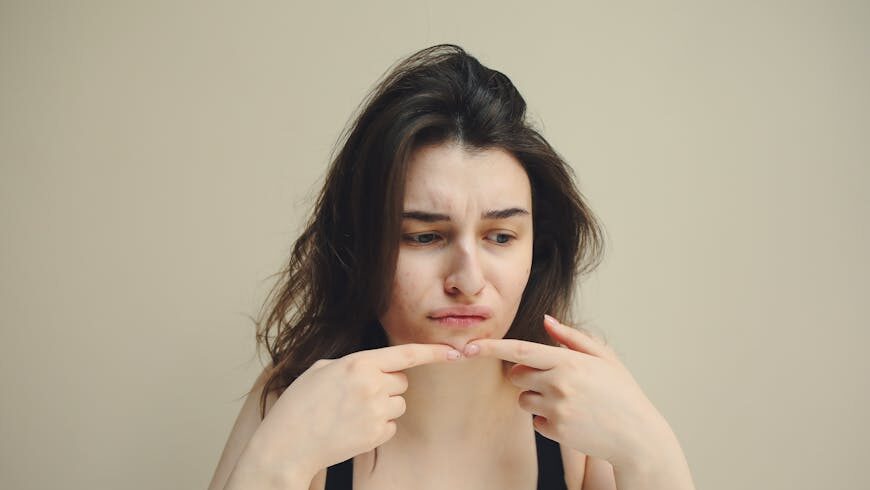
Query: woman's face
[466, 247]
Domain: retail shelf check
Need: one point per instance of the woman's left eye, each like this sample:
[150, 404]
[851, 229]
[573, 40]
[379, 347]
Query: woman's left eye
[421, 238]
[501, 238]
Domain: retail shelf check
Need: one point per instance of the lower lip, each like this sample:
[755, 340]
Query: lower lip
[459, 321]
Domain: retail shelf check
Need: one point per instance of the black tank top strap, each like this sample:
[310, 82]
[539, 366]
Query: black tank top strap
[340, 476]
[551, 473]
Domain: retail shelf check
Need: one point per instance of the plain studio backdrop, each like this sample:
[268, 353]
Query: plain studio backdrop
[158, 159]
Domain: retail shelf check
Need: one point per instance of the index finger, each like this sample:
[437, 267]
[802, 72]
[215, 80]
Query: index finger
[532, 354]
[405, 356]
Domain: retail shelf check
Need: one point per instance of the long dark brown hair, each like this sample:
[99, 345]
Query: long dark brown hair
[337, 280]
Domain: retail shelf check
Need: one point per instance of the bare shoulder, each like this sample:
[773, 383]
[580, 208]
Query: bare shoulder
[319, 481]
[599, 475]
[244, 427]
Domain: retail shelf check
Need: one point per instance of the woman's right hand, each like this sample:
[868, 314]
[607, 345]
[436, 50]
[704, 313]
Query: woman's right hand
[339, 408]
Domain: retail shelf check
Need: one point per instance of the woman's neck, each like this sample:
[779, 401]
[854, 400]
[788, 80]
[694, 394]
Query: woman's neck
[468, 400]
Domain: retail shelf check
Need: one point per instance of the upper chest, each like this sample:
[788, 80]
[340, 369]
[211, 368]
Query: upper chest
[509, 467]
[514, 467]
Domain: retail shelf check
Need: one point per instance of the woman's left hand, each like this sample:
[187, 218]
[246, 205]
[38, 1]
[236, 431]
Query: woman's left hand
[581, 394]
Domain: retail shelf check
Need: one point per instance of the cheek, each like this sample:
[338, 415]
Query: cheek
[514, 275]
[410, 279]
[516, 284]
[509, 277]
[407, 305]
[409, 287]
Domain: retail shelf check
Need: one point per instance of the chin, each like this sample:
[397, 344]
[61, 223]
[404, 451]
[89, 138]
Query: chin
[431, 332]
[458, 340]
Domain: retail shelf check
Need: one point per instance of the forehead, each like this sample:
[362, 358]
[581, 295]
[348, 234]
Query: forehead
[446, 177]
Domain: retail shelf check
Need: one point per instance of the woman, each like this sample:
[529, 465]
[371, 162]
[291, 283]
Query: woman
[410, 345]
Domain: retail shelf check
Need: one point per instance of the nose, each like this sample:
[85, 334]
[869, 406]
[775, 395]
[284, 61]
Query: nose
[465, 275]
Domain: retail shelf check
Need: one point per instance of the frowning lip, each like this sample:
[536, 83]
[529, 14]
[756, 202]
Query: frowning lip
[478, 311]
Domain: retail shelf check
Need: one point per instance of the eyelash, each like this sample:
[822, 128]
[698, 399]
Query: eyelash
[413, 238]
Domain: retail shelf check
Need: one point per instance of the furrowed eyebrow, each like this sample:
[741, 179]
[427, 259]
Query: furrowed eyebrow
[425, 216]
[428, 217]
[504, 213]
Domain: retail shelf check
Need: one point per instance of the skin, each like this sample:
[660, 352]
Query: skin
[413, 406]
[466, 260]
[336, 409]
[579, 393]
[585, 398]
[405, 399]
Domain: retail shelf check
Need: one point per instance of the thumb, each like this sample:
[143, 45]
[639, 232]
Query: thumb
[572, 338]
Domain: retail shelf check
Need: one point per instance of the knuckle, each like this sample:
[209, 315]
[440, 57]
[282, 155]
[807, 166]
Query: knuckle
[561, 412]
[402, 405]
[355, 364]
[367, 389]
[562, 390]
[389, 431]
[378, 411]
[403, 381]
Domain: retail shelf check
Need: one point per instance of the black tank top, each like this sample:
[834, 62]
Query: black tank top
[551, 474]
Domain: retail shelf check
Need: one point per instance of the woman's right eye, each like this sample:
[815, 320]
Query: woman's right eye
[421, 238]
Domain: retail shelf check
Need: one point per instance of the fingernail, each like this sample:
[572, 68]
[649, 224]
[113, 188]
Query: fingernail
[471, 349]
[552, 321]
[453, 354]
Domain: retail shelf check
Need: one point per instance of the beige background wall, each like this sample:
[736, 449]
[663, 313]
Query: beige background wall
[156, 160]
